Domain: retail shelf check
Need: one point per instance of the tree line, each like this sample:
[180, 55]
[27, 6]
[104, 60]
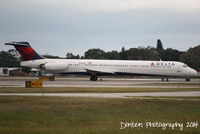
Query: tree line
[191, 57]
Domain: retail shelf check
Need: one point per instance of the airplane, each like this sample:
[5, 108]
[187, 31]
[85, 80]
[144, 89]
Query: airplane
[94, 68]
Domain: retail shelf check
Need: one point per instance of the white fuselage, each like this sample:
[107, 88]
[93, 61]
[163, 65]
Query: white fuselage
[161, 68]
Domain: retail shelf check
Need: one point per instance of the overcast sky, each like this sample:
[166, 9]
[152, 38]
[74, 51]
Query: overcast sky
[59, 26]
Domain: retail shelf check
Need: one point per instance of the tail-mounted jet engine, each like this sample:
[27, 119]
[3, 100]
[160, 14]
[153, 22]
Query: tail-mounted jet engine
[53, 67]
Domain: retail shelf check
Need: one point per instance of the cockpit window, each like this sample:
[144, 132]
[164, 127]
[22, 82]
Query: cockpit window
[185, 65]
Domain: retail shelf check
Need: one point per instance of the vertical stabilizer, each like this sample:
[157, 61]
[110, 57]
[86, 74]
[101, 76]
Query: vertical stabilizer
[26, 51]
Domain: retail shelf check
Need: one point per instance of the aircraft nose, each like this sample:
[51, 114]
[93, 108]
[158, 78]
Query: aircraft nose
[193, 72]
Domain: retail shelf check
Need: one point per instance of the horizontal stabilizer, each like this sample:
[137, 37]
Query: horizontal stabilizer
[13, 43]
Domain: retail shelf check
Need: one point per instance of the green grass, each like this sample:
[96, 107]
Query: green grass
[59, 115]
[89, 89]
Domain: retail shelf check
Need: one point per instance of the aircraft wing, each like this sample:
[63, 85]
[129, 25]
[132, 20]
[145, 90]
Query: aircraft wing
[99, 71]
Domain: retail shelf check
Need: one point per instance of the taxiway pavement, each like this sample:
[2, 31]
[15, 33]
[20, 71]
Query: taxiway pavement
[111, 95]
[105, 82]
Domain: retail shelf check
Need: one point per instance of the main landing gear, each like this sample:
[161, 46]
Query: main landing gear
[93, 78]
[163, 79]
[187, 79]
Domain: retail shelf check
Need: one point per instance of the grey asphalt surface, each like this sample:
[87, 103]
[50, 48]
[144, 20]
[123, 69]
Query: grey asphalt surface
[105, 82]
[111, 95]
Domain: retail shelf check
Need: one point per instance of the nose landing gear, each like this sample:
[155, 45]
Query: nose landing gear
[187, 79]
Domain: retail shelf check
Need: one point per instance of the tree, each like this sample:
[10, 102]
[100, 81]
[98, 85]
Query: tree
[8, 59]
[72, 56]
[94, 54]
[192, 57]
[159, 46]
[14, 53]
[112, 55]
[123, 54]
[142, 53]
[170, 55]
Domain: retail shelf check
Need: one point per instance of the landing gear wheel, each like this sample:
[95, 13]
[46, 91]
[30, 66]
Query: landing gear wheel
[163, 79]
[93, 78]
[187, 79]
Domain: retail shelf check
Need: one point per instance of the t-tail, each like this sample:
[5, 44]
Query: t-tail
[26, 51]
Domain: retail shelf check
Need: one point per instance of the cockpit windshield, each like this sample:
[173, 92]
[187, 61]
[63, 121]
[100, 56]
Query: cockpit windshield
[185, 65]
